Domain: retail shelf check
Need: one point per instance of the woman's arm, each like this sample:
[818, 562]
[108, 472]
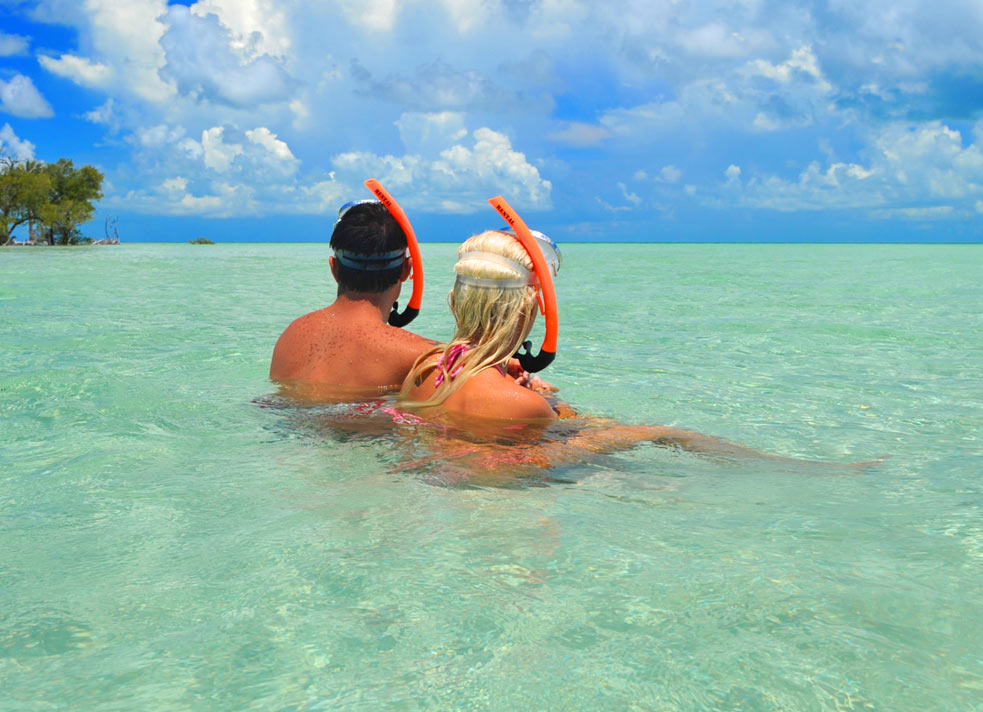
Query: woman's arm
[497, 462]
[614, 436]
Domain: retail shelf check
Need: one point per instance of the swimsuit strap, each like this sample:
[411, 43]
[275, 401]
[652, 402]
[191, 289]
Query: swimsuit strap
[454, 354]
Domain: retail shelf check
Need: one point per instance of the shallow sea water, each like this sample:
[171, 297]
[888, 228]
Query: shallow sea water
[169, 543]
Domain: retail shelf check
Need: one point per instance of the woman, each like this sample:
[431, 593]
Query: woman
[494, 306]
[494, 303]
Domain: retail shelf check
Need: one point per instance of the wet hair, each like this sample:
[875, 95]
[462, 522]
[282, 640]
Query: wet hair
[368, 229]
[491, 321]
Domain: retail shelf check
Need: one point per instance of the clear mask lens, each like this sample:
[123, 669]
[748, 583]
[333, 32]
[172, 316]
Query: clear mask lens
[550, 250]
[348, 206]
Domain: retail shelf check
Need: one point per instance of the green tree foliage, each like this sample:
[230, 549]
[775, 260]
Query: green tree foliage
[57, 196]
[24, 192]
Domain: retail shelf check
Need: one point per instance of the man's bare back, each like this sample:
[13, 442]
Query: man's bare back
[348, 350]
[348, 347]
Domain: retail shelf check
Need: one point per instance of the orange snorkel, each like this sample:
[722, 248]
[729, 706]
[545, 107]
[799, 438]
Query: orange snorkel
[403, 318]
[547, 293]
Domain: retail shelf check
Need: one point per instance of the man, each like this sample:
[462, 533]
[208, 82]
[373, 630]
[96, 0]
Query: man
[348, 348]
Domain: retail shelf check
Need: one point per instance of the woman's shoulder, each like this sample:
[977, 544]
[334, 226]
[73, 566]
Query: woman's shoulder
[489, 394]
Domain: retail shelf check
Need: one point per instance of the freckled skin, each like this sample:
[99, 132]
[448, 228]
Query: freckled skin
[489, 394]
[347, 347]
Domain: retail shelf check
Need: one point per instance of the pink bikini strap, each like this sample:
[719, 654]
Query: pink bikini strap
[453, 354]
[448, 370]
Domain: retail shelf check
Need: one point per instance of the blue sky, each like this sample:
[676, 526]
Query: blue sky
[739, 120]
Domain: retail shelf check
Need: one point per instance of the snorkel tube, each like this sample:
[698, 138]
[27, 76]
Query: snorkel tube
[397, 318]
[547, 294]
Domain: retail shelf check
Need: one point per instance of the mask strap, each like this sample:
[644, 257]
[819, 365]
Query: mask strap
[371, 263]
[525, 279]
[493, 283]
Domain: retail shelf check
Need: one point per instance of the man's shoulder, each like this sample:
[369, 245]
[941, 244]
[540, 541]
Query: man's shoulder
[408, 337]
[306, 320]
[326, 323]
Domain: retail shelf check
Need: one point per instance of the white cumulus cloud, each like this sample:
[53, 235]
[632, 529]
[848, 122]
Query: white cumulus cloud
[12, 45]
[228, 172]
[175, 186]
[803, 62]
[217, 154]
[933, 212]
[669, 174]
[580, 134]
[372, 15]
[461, 177]
[257, 27]
[104, 114]
[20, 97]
[756, 96]
[203, 60]
[262, 136]
[628, 195]
[920, 171]
[20, 149]
[122, 41]
[278, 155]
[159, 136]
[78, 69]
[492, 161]
[715, 39]
[430, 133]
[437, 85]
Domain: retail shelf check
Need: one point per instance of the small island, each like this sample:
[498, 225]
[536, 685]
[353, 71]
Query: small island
[200, 241]
[53, 199]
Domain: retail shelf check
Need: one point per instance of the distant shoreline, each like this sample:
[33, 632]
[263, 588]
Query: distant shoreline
[83, 244]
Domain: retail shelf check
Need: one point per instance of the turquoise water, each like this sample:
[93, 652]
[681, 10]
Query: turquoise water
[166, 543]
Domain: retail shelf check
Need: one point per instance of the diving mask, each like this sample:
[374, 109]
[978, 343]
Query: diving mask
[546, 260]
[389, 260]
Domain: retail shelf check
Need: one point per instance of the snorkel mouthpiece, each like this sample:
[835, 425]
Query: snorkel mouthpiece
[402, 318]
[397, 318]
[534, 363]
[546, 260]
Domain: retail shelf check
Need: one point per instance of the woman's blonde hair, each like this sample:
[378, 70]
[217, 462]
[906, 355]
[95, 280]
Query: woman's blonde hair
[492, 321]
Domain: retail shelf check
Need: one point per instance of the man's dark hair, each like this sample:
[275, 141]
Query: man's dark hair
[368, 229]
